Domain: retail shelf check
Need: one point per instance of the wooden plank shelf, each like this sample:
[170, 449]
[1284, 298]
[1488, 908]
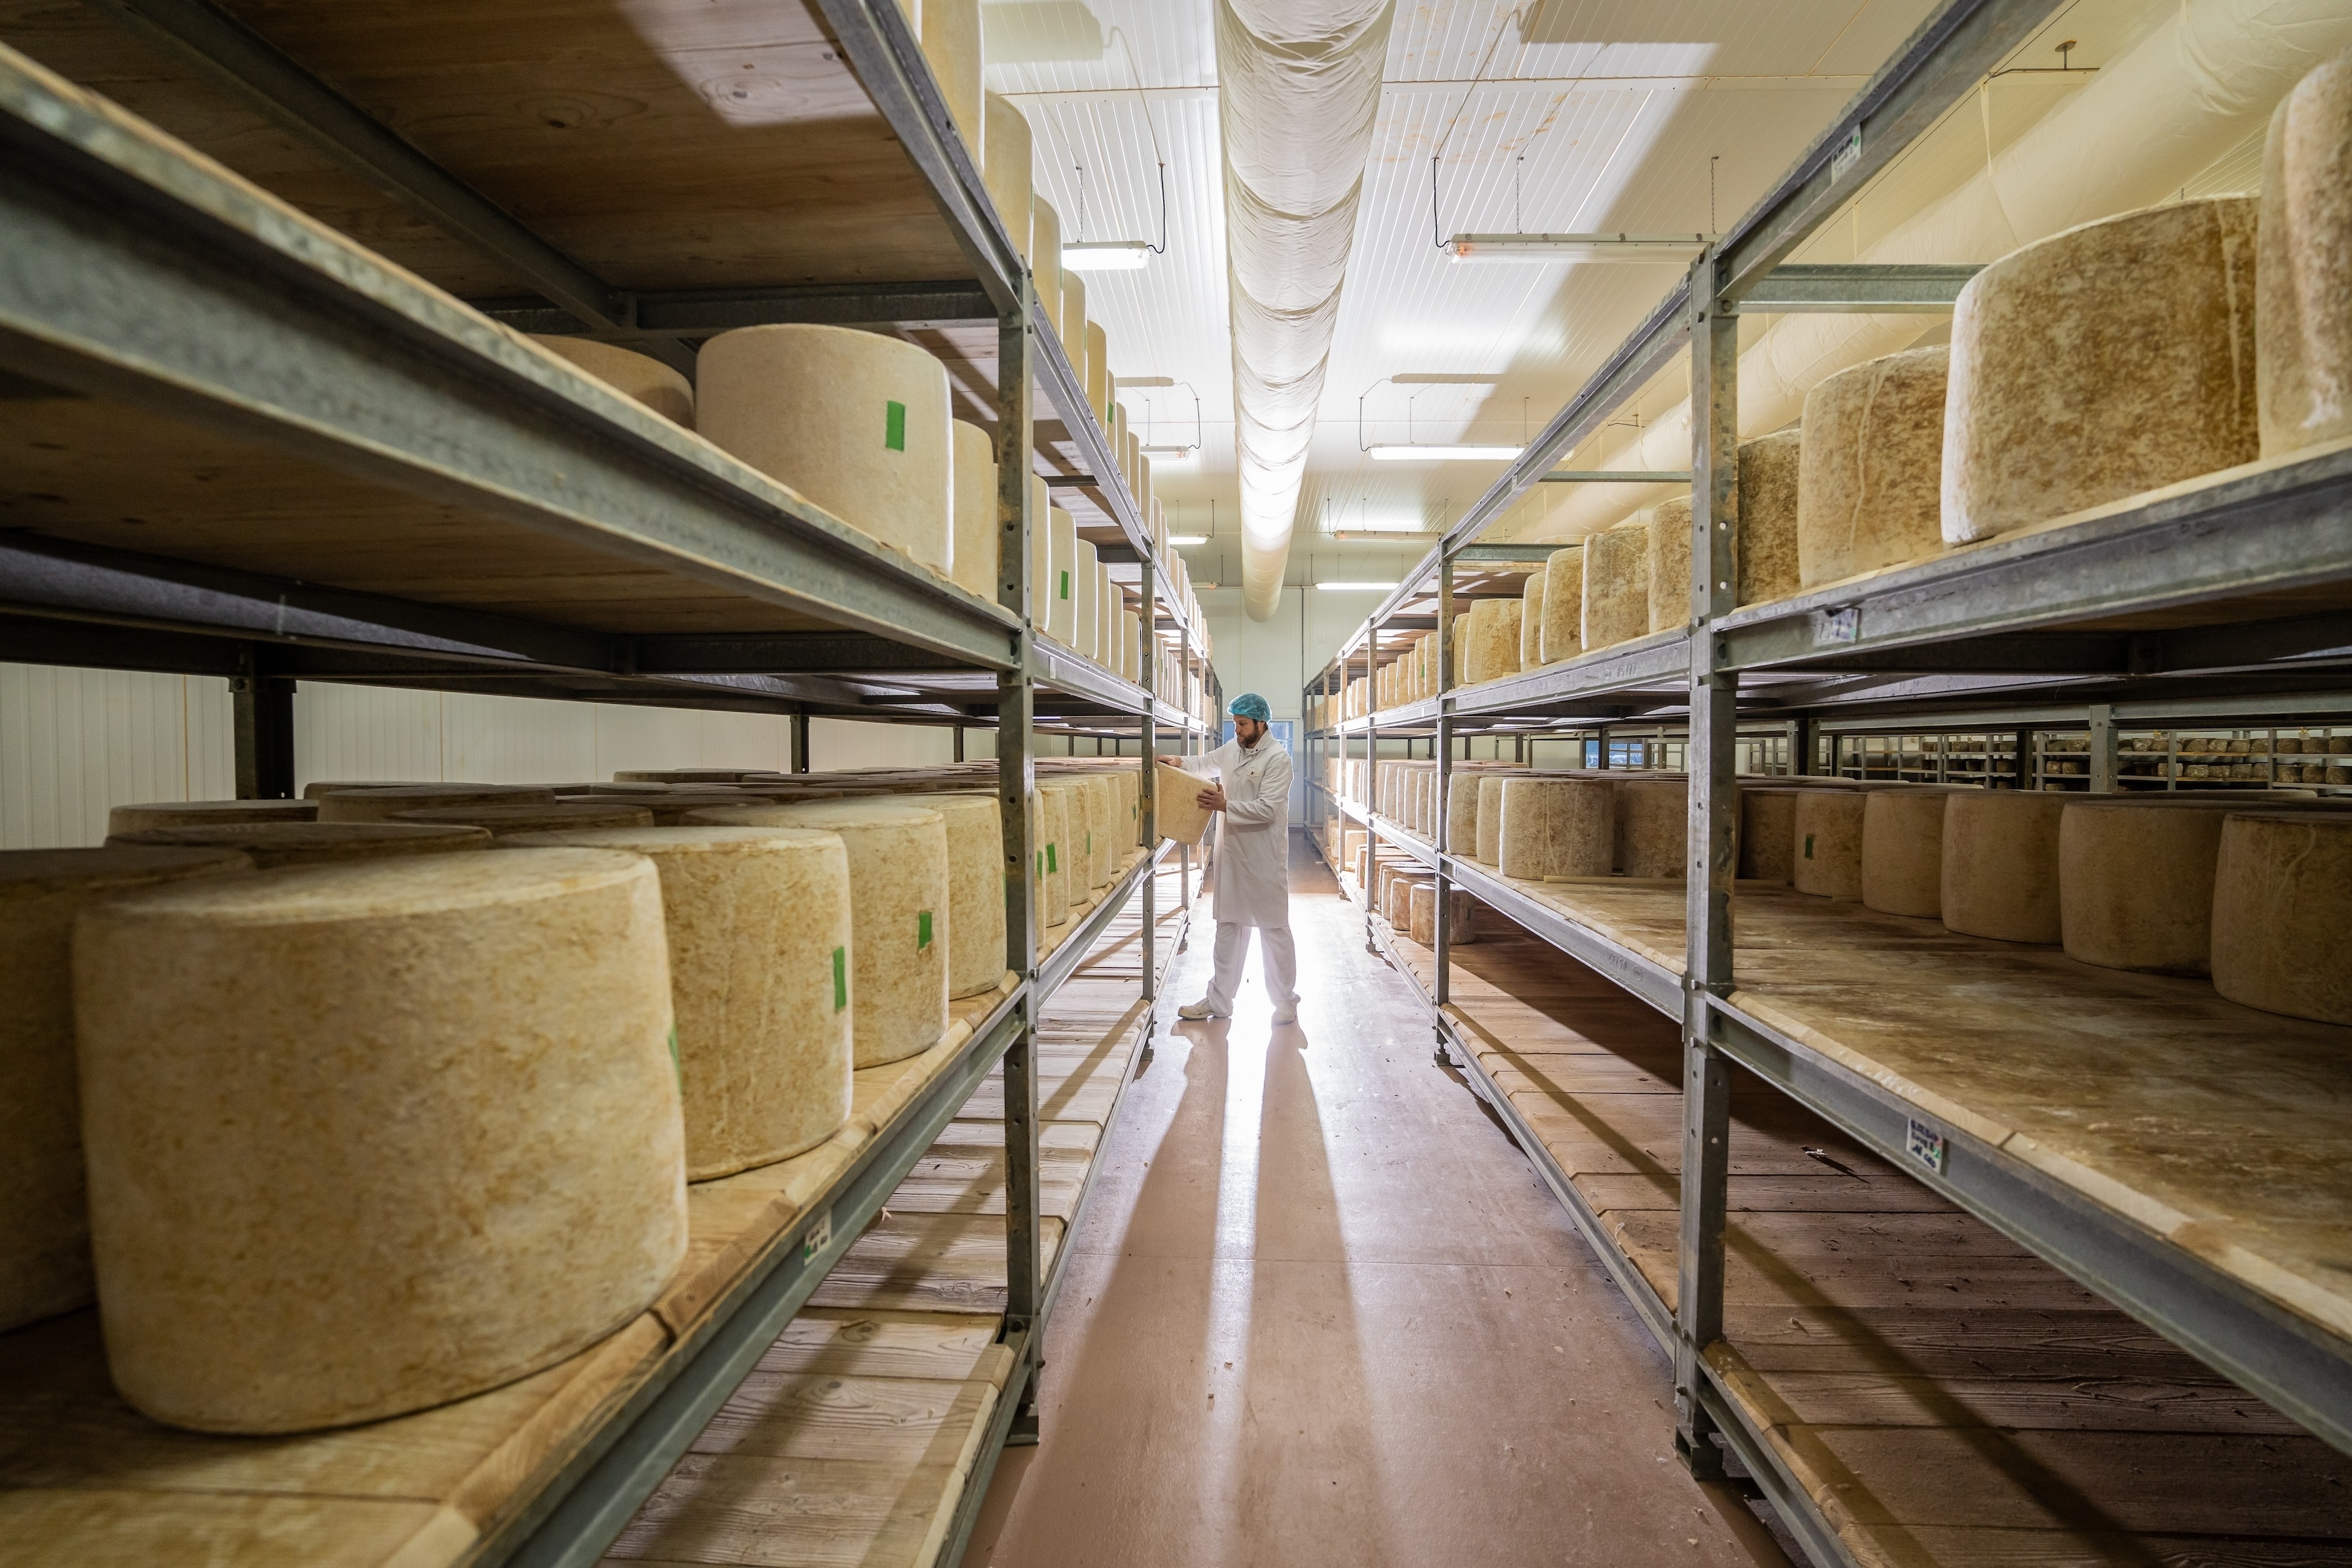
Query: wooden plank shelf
[1939, 1393]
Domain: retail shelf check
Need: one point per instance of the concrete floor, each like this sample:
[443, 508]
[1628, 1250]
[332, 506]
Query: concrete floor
[1322, 1312]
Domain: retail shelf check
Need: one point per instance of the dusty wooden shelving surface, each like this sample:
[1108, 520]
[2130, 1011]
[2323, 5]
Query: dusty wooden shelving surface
[1943, 1395]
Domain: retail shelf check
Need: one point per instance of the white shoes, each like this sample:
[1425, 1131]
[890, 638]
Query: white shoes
[1287, 1014]
[1200, 1010]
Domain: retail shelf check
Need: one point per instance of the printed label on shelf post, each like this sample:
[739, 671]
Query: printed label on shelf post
[1925, 1146]
[817, 1238]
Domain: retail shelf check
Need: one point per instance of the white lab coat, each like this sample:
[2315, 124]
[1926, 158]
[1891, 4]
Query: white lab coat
[1251, 869]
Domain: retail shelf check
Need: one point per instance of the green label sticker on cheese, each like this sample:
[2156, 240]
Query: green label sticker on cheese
[675, 1064]
[1053, 861]
[1808, 846]
[894, 426]
[1065, 585]
[922, 930]
[840, 978]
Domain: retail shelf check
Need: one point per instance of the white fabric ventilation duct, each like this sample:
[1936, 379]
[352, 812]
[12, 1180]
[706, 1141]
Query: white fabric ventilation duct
[1301, 84]
[2197, 84]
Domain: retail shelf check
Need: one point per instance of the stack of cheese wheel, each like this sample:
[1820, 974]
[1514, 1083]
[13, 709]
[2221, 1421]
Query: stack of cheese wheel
[1098, 370]
[1867, 486]
[639, 377]
[2001, 864]
[1531, 613]
[1827, 831]
[271, 844]
[2064, 325]
[1107, 827]
[1616, 600]
[1653, 827]
[854, 421]
[1062, 606]
[1073, 324]
[385, 803]
[1421, 917]
[952, 48]
[194, 813]
[1175, 813]
[1903, 849]
[1562, 634]
[2135, 880]
[975, 830]
[1396, 892]
[1004, 167]
[463, 1059]
[1769, 562]
[1486, 846]
[1556, 828]
[897, 854]
[758, 923]
[1669, 572]
[44, 1210]
[1494, 640]
[1087, 817]
[1045, 257]
[1462, 814]
[2282, 898]
[598, 812]
[1085, 597]
[1065, 818]
[1768, 827]
[977, 549]
[2304, 279]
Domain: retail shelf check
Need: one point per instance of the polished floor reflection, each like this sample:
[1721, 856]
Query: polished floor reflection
[1322, 1312]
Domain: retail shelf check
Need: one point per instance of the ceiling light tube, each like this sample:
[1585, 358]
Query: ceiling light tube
[1544, 247]
[1188, 538]
[1105, 256]
[1417, 452]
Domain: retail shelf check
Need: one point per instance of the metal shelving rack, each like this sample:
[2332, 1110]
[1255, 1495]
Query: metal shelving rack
[561, 540]
[2223, 603]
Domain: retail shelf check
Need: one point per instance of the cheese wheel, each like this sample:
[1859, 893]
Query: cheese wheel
[1422, 916]
[1494, 639]
[1062, 587]
[899, 908]
[1098, 374]
[319, 788]
[1563, 633]
[1041, 554]
[633, 375]
[1903, 851]
[1396, 879]
[2001, 864]
[1045, 257]
[1826, 853]
[1768, 829]
[2136, 882]
[854, 421]
[1616, 586]
[1073, 327]
[1868, 495]
[1489, 837]
[603, 811]
[463, 1059]
[1557, 828]
[1531, 611]
[2304, 277]
[669, 808]
[951, 36]
[1176, 814]
[192, 813]
[1057, 893]
[676, 776]
[758, 926]
[2282, 904]
[1085, 598]
[1653, 827]
[977, 546]
[44, 1208]
[2100, 362]
[1669, 574]
[1005, 166]
[1107, 825]
[975, 936]
[1462, 814]
[383, 803]
[272, 845]
[1766, 534]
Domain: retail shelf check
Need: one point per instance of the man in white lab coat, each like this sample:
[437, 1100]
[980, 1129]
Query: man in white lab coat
[1252, 867]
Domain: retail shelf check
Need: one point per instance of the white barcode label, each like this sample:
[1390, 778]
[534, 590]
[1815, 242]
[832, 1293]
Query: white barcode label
[1842, 161]
[1926, 1146]
[820, 1235]
[1837, 625]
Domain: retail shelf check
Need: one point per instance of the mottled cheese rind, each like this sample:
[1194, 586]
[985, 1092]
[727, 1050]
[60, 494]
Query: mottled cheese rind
[2303, 276]
[597, 812]
[1826, 857]
[975, 934]
[1175, 813]
[1903, 851]
[1420, 917]
[269, 845]
[1653, 827]
[1868, 493]
[2001, 864]
[384, 803]
[194, 813]
[1768, 831]
[1563, 635]
[2136, 884]
[44, 1208]
[1532, 612]
[368, 1138]
[2282, 906]
[1765, 540]
[1616, 585]
[979, 539]
[1669, 572]
[1556, 828]
[2105, 360]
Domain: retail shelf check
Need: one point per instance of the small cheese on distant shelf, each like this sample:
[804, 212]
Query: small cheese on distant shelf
[44, 1208]
[463, 1059]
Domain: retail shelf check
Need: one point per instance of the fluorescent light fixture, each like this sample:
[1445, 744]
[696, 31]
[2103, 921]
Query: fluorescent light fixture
[1419, 452]
[1105, 256]
[1356, 586]
[1541, 247]
[1188, 538]
[1168, 450]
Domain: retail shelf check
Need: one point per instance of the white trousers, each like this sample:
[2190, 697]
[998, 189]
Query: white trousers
[1276, 953]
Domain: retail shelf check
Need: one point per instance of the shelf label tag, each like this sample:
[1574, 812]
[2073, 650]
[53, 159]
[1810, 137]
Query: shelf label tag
[817, 1238]
[1925, 1145]
[1837, 625]
[1842, 161]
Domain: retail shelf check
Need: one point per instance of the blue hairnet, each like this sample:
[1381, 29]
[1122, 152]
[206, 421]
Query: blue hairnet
[1249, 705]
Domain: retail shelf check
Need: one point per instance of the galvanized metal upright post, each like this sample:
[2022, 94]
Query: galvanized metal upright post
[262, 712]
[801, 741]
[2103, 750]
[1442, 955]
[1147, 799]
[1801, 747]
[1016, 710]
[1710, 864]
[1372, 751]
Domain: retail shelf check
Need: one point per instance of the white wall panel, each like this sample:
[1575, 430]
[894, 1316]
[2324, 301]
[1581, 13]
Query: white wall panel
[847, 743]
[76, 743]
